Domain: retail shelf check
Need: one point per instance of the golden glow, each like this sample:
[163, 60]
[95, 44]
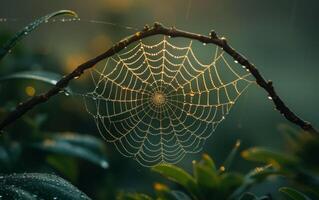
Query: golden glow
[73, 61]
[100, 43]
[30, 91]
[160, 187]
[48, 143]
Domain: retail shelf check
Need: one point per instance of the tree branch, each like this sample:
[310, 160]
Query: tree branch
[159, 29]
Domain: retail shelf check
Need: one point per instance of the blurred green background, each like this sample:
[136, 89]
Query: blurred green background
[278, 36]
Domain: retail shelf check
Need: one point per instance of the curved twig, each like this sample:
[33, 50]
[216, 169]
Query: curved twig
[158, 29]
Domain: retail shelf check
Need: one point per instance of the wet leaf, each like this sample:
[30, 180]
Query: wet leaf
[77, 145]
[133, 196]
[179, 195]
[177, 175]
[28, 29]
[205, 177]
[231, 156]
[44, 76]
[208, 162]
[251, 196]
[38, 186]
[268, 156]
[230, 182]
[293, 194]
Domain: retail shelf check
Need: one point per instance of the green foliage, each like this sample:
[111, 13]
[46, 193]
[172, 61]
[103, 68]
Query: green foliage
[76, 145]
[209, 182]
[293, 194]
[60, 152]
[269, 156]
[177, 175]
[38, 186]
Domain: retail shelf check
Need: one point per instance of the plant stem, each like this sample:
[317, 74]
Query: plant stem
[159, 29]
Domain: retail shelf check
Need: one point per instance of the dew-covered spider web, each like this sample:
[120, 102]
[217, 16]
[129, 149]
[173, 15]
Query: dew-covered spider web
[161, 98]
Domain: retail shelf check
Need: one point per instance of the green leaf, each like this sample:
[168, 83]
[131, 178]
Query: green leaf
[165, 193]
[208, 162]
[231, 156]
[9, 154]
[66, 165]
[177, 175]
[179, 195]
[77, 145]
[38, 186]
[253, 177]
[206, 177]
[251, 196]
[293, 194]
[39, 75]
[12, 192]
[28, 29]
[268, 156]
[248, 196]
[133, 196]
[230, 182]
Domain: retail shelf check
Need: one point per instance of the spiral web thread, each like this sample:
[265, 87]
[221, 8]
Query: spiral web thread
[157, 102]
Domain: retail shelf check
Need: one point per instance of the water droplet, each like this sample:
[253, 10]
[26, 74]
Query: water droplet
[104, 164]
[235, 61]
[77, 77]
[55, 198]
[244, 67]
[223, 117]
[269, 97]
[204, 44]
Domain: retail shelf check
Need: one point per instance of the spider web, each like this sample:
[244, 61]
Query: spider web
[156, 102]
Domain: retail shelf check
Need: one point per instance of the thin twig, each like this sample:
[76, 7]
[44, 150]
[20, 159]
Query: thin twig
[159, 29]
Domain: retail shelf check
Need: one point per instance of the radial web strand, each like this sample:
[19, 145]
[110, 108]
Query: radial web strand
[156, 102]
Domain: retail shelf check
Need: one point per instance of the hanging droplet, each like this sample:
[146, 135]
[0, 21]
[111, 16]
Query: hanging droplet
[192, 94]
[235, 61]
[269, 97]
[77, 77]
[104, 164]
[204, 44]
[66, 93]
